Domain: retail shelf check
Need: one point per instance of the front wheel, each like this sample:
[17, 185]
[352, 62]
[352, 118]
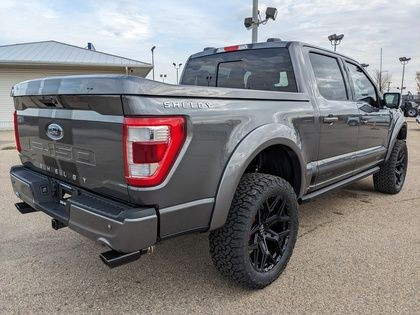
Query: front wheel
[391, 176]
[257, 240]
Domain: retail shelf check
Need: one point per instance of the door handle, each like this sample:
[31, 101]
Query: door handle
[330, 120]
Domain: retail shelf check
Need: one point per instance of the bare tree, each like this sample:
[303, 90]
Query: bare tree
[418, 81]
[385, 79]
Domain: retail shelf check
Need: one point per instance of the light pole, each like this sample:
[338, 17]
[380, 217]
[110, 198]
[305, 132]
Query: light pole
[163, 77]
[380, 73]
[153, 61]
[404, 61]
[255, 21]
[335, 40]
[177, 67]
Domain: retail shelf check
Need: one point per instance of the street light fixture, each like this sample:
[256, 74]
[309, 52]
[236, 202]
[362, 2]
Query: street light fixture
[365, 65]
[255, 21]
[177, 67]
[163, 77]
[153, 61]
[271, 13]
[404, 61]
[335, 40]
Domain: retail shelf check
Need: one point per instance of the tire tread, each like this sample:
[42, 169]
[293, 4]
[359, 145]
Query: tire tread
[226, 247]
[383, 180]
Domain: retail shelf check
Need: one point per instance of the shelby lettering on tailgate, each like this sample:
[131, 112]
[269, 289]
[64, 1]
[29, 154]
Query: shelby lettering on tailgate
[65, 153]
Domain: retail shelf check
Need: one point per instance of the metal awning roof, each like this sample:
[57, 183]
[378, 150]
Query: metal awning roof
[57, 53]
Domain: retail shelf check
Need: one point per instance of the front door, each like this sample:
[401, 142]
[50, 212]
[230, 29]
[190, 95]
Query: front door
[375, 119]
[339, 120]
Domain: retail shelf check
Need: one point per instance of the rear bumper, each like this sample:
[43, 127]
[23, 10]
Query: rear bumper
[117, 225]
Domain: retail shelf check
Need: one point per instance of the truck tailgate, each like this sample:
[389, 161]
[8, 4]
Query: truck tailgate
[77, 139]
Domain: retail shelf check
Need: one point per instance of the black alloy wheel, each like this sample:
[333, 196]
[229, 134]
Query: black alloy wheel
[269, 234]
[400, 168]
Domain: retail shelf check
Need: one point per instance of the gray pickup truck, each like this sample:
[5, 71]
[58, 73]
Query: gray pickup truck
[252, 131]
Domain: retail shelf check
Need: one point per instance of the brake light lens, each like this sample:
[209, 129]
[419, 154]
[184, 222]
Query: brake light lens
[231, 48]
[15, 125]
[151, 146]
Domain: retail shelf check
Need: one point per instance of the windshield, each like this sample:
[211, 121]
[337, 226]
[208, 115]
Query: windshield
[257, 69]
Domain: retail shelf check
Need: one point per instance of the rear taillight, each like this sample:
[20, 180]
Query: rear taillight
[15, 123]
[151, 146]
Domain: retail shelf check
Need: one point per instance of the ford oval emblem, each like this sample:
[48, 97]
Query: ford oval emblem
[55, 132]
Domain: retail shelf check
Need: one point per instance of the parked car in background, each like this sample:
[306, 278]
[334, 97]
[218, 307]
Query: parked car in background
[410, 109]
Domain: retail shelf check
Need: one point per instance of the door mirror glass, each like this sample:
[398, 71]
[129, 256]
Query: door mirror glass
[392, 100]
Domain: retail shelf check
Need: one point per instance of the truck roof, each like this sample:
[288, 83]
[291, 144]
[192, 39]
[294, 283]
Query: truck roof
[271, 43]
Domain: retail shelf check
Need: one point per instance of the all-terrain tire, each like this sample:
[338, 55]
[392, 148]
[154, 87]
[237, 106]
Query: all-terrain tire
[390, 178]
[229, 245]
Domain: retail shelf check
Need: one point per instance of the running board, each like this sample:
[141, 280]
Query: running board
[340, 184]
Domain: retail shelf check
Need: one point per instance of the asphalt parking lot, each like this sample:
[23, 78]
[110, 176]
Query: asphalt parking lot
[358, 251]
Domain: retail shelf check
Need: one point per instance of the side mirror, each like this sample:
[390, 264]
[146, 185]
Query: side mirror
[392, 100]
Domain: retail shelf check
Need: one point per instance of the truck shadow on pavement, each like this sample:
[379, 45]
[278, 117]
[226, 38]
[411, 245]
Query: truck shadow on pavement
[64, 265]
[184, 263]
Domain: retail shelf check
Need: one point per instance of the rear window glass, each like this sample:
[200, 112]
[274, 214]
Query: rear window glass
[263, 69]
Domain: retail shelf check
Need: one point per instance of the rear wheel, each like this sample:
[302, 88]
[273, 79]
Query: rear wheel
[391, 177]
[257, 240]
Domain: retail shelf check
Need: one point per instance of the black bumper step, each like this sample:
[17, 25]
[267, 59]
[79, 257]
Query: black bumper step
[24, 208]
[114, 259]
[56, 225]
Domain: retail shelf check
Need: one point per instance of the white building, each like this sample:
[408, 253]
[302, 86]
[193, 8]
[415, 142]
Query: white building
[28, 61]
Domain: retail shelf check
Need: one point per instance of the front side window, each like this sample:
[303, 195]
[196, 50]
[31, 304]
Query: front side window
[364, 90]
[267, 69]
[328, 76]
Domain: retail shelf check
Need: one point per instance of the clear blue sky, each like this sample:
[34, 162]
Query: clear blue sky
[179, 28]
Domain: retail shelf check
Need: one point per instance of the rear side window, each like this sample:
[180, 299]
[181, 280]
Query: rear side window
[329, 77]
[263, 69]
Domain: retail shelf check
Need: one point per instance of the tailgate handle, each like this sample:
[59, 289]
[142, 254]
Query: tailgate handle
[51, 102]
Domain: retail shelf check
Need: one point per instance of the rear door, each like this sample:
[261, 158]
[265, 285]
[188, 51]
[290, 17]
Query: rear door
[339, 119]
[375, 119]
